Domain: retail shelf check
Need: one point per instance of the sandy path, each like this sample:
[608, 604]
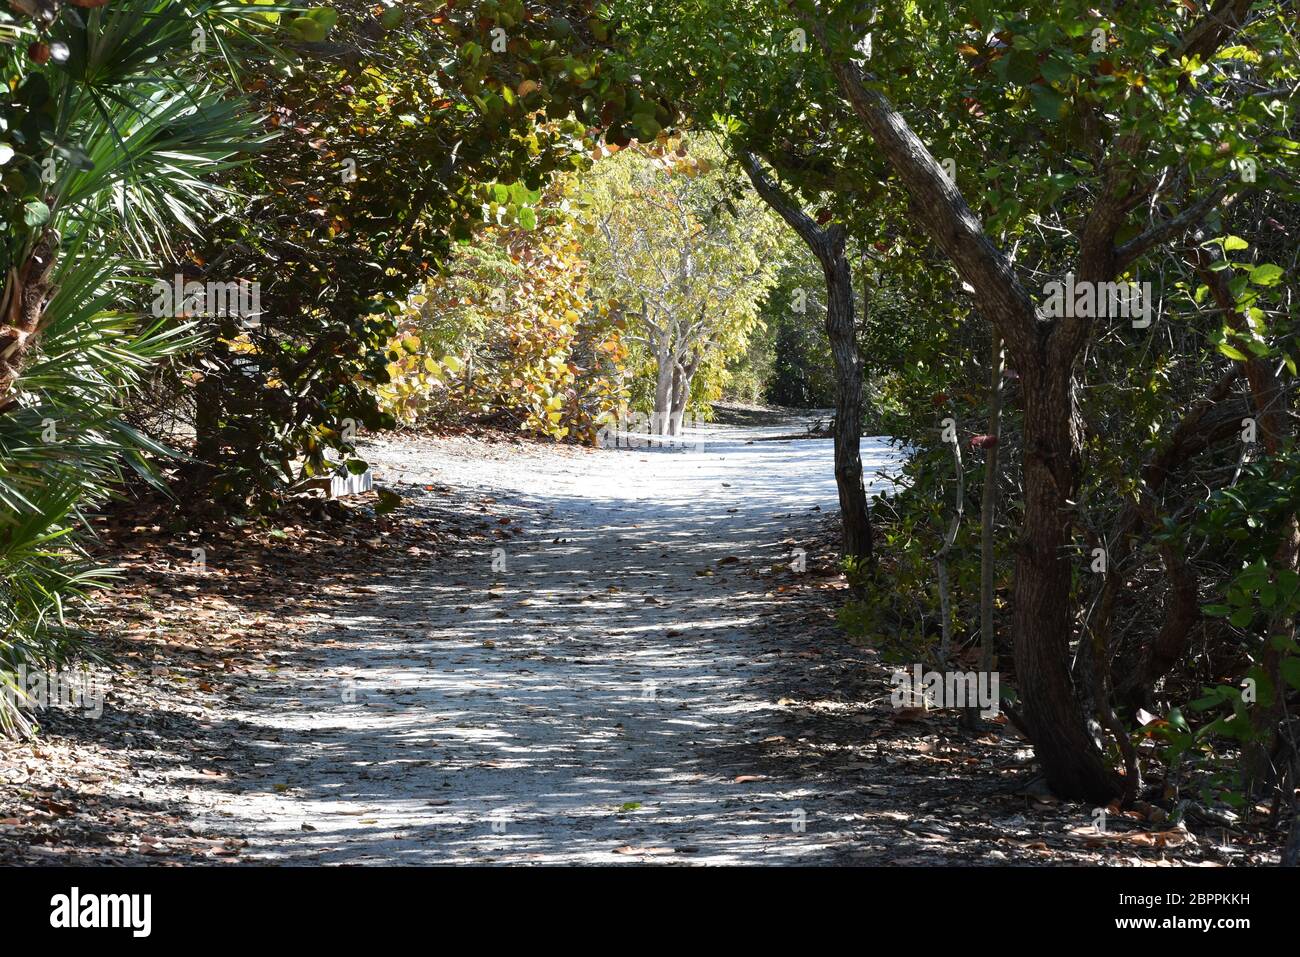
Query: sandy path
[593, 701]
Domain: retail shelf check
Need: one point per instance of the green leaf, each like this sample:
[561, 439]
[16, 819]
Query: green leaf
[308, 29]
[1049, 104]
[324, 16]
[36, 213]
[1233, 243]
[1056, 71]
[1022, 67]
[388, 501]
[1233, 353]
[1266, 274]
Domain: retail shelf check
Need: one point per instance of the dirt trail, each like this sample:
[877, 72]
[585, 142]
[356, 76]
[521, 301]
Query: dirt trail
[637, 675]
[589, 693]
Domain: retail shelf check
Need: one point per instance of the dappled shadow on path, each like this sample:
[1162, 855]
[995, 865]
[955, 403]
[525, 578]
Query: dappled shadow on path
[602, 687]
[575, 657]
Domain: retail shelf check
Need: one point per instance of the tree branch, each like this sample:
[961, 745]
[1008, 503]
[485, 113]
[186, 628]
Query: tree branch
[942, 208]
[1172, 226]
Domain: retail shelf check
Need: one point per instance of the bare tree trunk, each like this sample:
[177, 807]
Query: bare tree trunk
[661, 422]
[855, 516]
[683, 376]
[828, 246]
[676, 400]
[989, 510]
[941, 557]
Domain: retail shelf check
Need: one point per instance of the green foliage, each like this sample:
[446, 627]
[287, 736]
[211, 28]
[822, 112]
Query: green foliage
[111, 150]
[799, 371]
[425, 102]
[688, 252]
[1246, 523]
[512, 333]
[1042, 113]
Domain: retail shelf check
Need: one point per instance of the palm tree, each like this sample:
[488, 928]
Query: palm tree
[121, 117]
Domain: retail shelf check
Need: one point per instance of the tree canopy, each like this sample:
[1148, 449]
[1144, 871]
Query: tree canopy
[1048, 247]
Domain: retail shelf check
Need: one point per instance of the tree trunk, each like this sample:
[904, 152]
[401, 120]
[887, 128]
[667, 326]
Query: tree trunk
[663, 393]
[683, 376]
[828, 246]
[855, 516]
[1074, 765]
[1071, 760]
[22, 308]
[676, 401]
[988, 512]
[941, 557]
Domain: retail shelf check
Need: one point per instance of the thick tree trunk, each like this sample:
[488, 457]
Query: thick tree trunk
[1071, 760]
